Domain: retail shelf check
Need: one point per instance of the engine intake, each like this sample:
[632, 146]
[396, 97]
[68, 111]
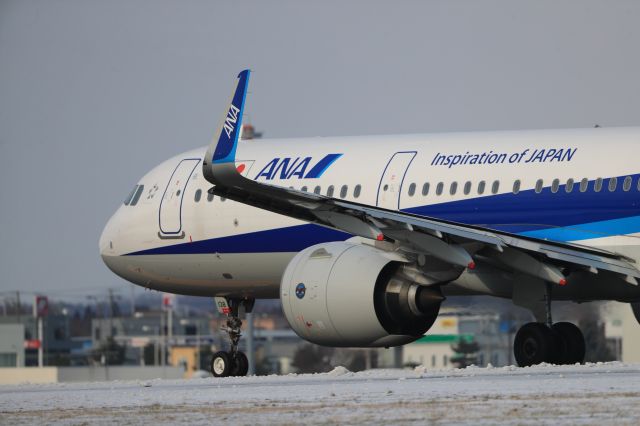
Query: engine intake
[354, 295]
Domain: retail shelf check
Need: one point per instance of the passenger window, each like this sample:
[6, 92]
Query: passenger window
[481, 186]
[130, 196]
[626, 185]
[343, 191]
[303, 189]
[425, 188]
[597, 185]
[555, 185]
[495, 187]
[467, 188]
[516, 186]
[316, 190]
[613, 183]
[137, 195]
[584, 184]
[330, 191]
[222, 199]
[356, 191]
[439, 188]
[539, 186]
[412, 189]
[453, 188]
[209, 197]
[569, 186]
[198, 195]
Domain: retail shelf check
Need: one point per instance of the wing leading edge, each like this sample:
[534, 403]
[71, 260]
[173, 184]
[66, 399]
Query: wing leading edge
[451, 242]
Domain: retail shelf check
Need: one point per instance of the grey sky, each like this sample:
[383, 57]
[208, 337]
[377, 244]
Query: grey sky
[95, 93]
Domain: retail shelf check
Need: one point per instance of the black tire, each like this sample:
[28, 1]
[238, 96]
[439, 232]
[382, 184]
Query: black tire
[561, 353]
[241, 365]
[222, 364]
[574, 342]
[534, 344]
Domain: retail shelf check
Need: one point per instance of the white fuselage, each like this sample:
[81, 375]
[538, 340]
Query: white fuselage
[172, 240]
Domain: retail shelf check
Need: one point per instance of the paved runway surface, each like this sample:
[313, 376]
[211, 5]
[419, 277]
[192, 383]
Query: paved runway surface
[588, 394]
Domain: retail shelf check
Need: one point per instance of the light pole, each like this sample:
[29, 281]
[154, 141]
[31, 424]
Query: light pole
[251, 352]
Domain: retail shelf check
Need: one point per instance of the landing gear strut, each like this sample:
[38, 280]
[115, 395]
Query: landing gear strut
[559, 343]
[232, 362]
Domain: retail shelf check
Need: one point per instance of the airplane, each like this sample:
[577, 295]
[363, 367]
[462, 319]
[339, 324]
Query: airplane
[362, 238]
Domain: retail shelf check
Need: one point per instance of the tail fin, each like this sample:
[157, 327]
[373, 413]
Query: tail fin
[223, 150]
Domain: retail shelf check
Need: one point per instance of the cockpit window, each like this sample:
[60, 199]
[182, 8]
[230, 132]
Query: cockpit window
[137, 195]
[130, 196]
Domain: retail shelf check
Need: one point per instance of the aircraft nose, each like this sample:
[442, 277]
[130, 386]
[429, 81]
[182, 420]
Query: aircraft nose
[109, 244]
[106, 242]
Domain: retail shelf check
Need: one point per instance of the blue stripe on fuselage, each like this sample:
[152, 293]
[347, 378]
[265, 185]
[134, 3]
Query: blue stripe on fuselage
[530, 211]
[586, 231]
[281, 240]
[559, 216]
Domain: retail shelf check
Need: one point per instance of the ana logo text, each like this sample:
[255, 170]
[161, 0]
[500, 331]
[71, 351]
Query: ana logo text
[231, 120]
[290, 168]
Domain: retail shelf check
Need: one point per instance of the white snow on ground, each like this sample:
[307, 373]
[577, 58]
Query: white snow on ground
[581, 394]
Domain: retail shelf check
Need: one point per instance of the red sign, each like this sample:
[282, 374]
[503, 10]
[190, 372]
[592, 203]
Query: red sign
[167, 301]
[42, 306]
[32, 344]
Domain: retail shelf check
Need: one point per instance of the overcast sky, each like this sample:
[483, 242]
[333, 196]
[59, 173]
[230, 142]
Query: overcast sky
[95, 93]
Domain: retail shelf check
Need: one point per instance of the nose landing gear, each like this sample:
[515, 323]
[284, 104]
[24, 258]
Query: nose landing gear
[232, 362]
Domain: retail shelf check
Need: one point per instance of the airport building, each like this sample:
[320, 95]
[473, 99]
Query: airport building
[623, 330]
[59, 347]
[12, 345]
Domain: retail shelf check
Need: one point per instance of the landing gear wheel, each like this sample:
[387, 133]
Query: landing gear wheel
[573, 340]
[234, 362]
[221, 364]
[534, 344]
[240, 364]
[560, 348]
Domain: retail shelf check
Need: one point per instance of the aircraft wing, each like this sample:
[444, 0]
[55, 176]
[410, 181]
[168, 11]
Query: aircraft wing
[451, 242]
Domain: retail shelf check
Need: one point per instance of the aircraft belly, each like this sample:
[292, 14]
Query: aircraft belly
[239, 275]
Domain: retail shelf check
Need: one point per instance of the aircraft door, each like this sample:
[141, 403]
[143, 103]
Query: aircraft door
[171, 203]
[392, 178]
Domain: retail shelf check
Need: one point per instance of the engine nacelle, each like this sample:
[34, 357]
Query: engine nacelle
[353, 295]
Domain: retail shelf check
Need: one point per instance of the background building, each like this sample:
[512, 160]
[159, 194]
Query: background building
[11, 345]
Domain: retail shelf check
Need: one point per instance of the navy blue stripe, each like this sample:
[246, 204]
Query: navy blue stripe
[524, 212]
[281, 240]
[529, 211]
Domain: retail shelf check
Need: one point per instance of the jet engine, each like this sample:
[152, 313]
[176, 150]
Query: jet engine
[355, 295]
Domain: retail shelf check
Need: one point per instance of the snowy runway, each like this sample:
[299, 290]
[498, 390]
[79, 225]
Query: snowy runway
[588, 394]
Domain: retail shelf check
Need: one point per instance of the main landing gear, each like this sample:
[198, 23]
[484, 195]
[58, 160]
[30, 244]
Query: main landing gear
[559, 343]
[232, 362]
[562, 343]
